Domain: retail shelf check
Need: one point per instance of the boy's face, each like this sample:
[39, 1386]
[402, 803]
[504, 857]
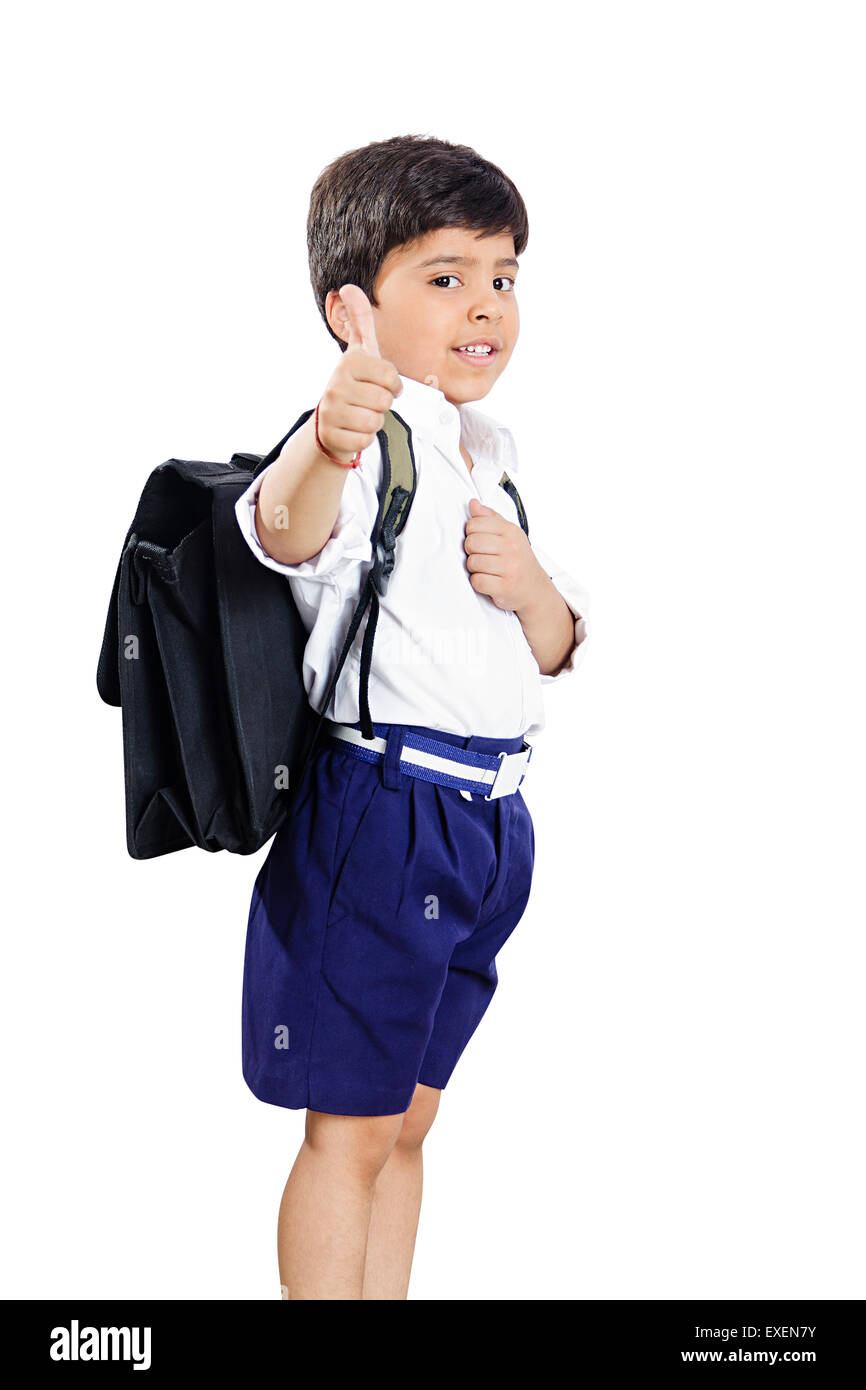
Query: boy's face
[435, 295]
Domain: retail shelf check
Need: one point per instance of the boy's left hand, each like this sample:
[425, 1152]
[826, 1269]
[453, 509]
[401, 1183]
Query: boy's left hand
[500, 560]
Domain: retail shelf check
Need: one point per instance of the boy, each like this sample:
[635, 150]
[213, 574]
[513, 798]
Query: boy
[377, 915]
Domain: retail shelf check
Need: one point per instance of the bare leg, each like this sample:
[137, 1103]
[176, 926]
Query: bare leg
[397, 1203]
[325, 1210]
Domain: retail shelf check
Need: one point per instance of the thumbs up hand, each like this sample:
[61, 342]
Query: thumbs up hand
[358, 318]
[363, 387]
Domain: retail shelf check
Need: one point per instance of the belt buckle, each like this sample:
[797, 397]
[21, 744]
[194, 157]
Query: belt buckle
[510, 772]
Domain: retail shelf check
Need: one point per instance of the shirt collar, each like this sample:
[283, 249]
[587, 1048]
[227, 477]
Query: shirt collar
[425, 409]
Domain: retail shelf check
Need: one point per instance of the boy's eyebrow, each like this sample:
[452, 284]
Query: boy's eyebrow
[463, 260]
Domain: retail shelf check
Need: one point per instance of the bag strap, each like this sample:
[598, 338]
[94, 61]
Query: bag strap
[506, 483]
[399, 481]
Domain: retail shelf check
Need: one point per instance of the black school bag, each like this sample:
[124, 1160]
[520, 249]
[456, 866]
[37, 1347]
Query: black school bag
[203, 651]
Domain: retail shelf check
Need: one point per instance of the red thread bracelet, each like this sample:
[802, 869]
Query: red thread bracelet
[353, 463]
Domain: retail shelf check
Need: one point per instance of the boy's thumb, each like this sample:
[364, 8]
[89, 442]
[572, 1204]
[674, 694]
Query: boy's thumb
[358, 317]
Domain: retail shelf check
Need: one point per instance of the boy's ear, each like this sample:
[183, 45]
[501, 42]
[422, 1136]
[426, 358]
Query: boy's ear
[335, 312]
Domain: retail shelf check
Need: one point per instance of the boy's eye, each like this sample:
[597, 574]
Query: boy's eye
[498, 283]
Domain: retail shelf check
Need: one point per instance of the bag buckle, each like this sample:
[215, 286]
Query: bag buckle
[510, 772]
[383, 564]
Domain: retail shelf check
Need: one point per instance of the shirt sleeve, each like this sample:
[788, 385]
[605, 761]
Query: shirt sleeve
[574, 593]
[348, 543]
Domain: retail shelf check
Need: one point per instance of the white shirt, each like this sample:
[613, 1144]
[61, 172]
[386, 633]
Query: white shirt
[443, 656]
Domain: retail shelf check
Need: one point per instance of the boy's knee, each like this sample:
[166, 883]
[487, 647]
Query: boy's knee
[419, 1117]
[362, 1142]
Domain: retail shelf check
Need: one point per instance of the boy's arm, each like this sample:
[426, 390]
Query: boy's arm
[555, 630]
[519, 576]
[299, 499]
[300, 494]
[551, 628]
[576, 601]
[349, 541]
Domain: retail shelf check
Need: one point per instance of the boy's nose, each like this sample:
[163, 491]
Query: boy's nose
[480, 316]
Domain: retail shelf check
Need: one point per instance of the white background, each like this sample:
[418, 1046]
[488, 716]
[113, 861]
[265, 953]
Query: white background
[665, 1100]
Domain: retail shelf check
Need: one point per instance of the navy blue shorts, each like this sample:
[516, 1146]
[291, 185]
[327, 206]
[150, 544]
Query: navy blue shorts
[373, 930]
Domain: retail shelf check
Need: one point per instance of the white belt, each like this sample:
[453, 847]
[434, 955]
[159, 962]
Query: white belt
[468, 770]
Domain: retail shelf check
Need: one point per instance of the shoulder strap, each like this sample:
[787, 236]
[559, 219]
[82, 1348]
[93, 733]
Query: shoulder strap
[506, 483]
[397, 491]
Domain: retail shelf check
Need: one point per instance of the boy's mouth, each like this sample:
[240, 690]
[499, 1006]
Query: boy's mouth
[479, 353]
